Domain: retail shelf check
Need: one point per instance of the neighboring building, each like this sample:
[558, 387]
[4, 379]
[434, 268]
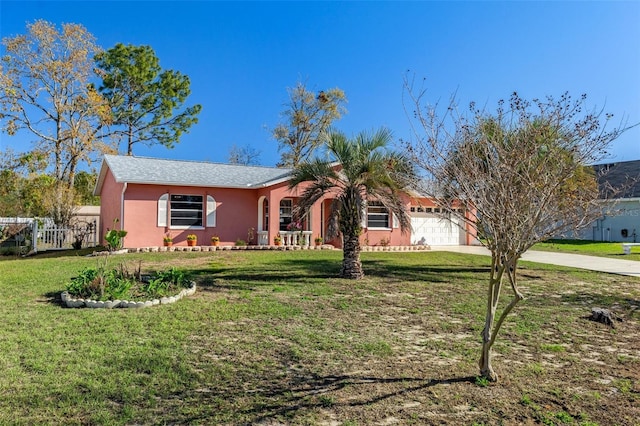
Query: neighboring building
[152, 198]
[87, 215]
[621, 211]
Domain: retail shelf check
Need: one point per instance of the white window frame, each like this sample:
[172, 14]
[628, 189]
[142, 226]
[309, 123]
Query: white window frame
[381, 211]
[282, 226]
[202, 212]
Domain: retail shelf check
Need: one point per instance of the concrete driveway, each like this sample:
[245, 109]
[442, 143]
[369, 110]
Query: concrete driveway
[594, 263]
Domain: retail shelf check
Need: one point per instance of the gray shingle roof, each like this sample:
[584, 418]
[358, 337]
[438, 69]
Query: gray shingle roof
[624, 177]
[190, 173]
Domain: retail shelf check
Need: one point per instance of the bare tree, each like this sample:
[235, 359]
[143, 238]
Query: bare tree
[45, 90]
[522, 171]
[306, 117]
[245, 155]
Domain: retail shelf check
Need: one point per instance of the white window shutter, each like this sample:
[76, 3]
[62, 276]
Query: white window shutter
[363, 222]
[211, 211]
[396, 223]
[163, 203]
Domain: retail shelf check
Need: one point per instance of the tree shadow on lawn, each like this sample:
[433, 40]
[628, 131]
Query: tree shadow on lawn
[59, 253]
[306, 271]
[429, 273]
[309, 394]
[236, 277]
[305, 392]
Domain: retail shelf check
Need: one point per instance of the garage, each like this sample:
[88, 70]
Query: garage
[435, 230]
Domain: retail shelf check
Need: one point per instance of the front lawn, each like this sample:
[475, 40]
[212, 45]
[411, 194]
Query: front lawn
[592, 248]
[272, 338]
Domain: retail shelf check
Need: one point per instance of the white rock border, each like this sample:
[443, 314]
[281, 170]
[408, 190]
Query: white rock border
[155, 249]
[70, 302]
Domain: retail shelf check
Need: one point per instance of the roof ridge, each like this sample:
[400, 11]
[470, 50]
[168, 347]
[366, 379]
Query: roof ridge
[199, 162]
[616, 162]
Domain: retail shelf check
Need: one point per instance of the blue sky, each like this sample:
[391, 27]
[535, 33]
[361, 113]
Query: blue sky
[242, 56]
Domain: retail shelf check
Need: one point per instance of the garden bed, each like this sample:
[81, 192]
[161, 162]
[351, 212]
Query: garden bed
[125, 286]
[71, 302]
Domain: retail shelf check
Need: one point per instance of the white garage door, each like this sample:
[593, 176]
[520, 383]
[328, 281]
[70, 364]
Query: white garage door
[436, 231]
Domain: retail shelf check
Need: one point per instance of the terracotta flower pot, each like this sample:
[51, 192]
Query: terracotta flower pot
[168, 243]
[191, 243]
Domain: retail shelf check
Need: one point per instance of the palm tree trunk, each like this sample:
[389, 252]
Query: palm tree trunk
[351, 264]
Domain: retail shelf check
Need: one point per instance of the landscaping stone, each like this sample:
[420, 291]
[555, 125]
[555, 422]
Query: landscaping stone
[75, 303]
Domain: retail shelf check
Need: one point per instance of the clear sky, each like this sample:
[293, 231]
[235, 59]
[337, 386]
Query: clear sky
[242, 56]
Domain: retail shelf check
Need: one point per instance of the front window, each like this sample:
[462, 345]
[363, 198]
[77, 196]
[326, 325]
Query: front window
[286, 214]
[186, 211]
[377, 215]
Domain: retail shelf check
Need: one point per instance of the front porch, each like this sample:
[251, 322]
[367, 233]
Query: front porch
[288, 238]
[277, 218]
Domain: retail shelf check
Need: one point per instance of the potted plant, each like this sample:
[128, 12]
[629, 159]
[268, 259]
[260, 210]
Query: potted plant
[318, 240]
[277, 240]
[192, 239]
[167, 240]
[215, 240]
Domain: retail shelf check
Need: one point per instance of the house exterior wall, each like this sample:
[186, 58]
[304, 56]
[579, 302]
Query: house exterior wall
[237, 211]
[110, 205]
[618, 216]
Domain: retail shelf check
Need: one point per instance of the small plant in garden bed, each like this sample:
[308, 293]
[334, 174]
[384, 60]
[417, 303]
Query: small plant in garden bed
[114, 237]
[104, 283]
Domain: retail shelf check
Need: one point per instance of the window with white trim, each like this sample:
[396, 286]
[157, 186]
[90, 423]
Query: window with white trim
[286, 213]
[186, 211]
[265, 213]
[377, 215]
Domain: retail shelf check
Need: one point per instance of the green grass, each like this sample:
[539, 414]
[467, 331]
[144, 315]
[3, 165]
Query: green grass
[276, 338]
[593, 248]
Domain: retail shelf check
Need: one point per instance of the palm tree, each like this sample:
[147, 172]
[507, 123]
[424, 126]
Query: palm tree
[358, 170]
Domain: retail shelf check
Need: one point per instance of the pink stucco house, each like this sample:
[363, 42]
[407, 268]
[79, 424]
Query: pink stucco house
[152, 198]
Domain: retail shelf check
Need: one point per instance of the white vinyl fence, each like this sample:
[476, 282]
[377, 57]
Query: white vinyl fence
[27, 235]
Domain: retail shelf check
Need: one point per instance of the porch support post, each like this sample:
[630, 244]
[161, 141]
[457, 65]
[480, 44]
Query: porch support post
[274, 217]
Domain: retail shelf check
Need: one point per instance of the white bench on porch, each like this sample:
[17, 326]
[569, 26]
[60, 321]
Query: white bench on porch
[626, 247]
